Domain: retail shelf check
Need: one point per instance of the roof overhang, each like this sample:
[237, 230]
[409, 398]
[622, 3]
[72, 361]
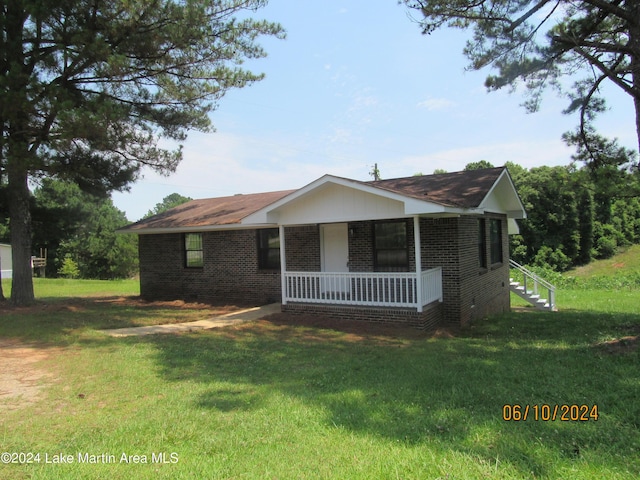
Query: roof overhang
[204, 228]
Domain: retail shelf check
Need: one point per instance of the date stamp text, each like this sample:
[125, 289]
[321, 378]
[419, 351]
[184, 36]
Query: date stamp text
[549, 413]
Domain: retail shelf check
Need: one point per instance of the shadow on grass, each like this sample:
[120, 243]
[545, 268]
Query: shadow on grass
[64, 320]
[447, 391]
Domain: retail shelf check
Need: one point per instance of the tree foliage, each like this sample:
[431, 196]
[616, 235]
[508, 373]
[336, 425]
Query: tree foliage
[168, 203]
[540, 43]
[69, 268]
[89, 87]
[565, 227]
[479, 165]
[73, 224]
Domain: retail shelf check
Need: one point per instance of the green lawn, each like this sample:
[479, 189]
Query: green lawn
[275, 400]
[55, 289]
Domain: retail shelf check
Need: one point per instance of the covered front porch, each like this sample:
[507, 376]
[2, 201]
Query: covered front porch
[346, 278]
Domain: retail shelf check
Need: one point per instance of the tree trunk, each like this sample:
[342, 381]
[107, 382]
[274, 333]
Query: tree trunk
[18, 157]
[20, 224]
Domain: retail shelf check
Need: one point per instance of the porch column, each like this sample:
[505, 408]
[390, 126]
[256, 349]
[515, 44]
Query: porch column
[283, 266]
[418, 255]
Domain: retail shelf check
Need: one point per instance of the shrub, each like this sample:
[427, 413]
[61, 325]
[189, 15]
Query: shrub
[69, 268]
[554, 259]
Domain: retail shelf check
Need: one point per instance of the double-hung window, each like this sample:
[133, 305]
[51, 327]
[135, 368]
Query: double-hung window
[193, 252]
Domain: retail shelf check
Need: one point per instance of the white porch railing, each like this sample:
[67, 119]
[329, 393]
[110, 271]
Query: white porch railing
[397, 289]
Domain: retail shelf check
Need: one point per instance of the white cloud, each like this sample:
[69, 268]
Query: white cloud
[527, 154]
[436, 104]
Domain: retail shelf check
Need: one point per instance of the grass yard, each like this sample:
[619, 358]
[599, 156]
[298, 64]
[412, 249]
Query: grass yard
[274, 399]
[627, 261]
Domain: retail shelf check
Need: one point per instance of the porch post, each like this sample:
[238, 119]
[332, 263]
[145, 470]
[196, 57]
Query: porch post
[418, 255]
[283, 266]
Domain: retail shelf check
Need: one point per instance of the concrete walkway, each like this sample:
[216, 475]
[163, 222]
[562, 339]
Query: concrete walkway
[247, 315]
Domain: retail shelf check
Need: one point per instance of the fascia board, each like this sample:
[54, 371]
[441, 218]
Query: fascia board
[205, 228]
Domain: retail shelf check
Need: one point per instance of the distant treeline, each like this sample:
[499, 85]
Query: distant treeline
[575, 214]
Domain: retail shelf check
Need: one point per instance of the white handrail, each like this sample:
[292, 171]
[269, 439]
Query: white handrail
[528, 274]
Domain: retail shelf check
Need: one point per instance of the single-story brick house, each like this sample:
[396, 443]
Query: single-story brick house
[421, 250]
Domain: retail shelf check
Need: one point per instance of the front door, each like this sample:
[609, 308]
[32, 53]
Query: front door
[335, 247]
[335, 259]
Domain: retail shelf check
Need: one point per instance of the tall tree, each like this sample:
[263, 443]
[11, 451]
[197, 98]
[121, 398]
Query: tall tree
[539, 42]
[89, 87]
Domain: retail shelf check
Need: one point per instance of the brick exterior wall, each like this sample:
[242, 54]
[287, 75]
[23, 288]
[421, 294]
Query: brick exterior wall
[429, 319]
[230, 273]
[302, 245]
[469, 292]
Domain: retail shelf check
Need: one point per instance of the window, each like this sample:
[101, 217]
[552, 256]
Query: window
[193, 253]
[482, 243]
[269, 249]
[390, 246]
[496, 240]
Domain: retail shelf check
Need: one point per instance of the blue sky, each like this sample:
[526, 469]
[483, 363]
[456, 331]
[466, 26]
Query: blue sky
[354, 84]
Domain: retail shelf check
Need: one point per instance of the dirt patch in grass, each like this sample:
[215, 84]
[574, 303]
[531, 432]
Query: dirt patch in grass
[77, 304]
[21, 377]
[169, 304]
[323, 328]
[627, 344]
[621, 345]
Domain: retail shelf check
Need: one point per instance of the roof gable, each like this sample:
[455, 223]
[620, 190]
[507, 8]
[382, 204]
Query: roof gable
[336, 199]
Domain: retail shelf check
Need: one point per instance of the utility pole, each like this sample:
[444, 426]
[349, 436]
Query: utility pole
[375, 173]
